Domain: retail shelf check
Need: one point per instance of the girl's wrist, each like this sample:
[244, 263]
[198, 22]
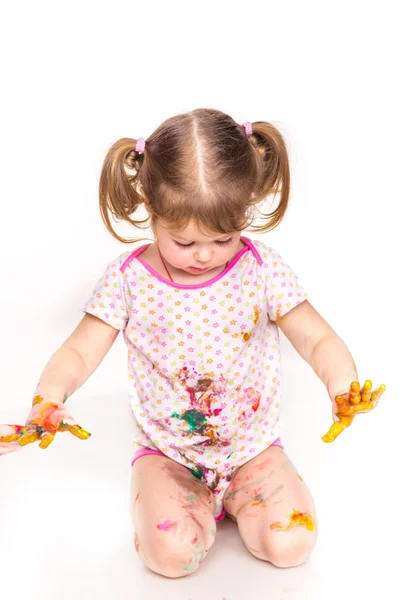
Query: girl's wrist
[49, 398]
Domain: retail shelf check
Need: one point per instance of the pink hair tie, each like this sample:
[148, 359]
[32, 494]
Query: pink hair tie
[248, 127]
[140, 145]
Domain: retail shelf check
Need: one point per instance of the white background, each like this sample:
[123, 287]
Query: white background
[76, 77]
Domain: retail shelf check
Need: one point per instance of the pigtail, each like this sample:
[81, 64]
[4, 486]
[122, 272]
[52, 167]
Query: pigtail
[273, 170]
[119, 186]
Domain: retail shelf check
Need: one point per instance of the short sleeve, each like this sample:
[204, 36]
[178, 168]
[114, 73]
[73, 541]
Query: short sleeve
[108, 299]
[282, 286]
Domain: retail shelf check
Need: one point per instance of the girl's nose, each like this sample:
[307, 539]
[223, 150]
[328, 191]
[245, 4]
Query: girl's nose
[203, 256]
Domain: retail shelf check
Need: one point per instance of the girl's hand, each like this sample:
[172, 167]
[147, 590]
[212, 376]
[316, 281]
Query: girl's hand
[346, 406]
[43, 422]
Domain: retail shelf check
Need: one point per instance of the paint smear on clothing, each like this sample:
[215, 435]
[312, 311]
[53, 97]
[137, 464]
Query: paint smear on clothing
[297, 519]
[194, 418]
[256, 315]
[168, 525]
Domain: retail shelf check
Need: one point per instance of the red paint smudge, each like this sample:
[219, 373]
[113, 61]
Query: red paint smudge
[194, 540]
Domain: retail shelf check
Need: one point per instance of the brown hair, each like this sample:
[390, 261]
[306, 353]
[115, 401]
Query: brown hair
[197, 166]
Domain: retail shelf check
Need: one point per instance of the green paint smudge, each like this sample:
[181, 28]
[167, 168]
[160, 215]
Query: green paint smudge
[233, 492]
[277, 490]
[197, 472]
[194, 418]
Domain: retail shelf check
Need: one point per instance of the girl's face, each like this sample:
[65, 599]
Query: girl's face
[190, 248]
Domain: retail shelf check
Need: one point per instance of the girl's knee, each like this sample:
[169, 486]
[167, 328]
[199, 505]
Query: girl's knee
[173, 553]
[287, 549]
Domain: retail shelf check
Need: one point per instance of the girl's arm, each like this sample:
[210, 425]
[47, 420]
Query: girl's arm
[75, 361]
[320, 346]
[67, 370]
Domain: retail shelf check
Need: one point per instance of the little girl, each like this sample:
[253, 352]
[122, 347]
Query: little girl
[199, 308]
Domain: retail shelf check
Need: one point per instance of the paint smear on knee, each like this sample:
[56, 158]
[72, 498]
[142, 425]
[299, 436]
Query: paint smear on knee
[261, 501]
[168, 526]
[198, 555]
[297, 519]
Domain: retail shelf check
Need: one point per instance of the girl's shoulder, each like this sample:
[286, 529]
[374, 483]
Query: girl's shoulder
[122, 260]
[266, 252]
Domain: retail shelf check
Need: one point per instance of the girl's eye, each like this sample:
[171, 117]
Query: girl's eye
[224, 243]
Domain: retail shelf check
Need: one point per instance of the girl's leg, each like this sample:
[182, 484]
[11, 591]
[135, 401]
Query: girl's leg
[273, 508]
[172, 515]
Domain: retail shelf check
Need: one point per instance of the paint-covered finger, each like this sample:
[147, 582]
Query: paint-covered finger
[46, 440]
[76, 430]
[29, 437]
[335, 430]
[366, 390]
[341, 401]
[355, 396]
[376, 394]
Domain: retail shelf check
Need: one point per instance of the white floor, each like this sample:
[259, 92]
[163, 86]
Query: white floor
[65, 529]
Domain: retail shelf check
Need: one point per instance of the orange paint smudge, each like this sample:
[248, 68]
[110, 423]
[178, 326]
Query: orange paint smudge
[256, 315]
[260, 504]
[137, 543]
[37, 400]
[297, 519]
[301, 479]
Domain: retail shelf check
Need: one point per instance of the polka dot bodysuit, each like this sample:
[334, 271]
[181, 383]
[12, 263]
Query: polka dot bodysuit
[203, 360]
